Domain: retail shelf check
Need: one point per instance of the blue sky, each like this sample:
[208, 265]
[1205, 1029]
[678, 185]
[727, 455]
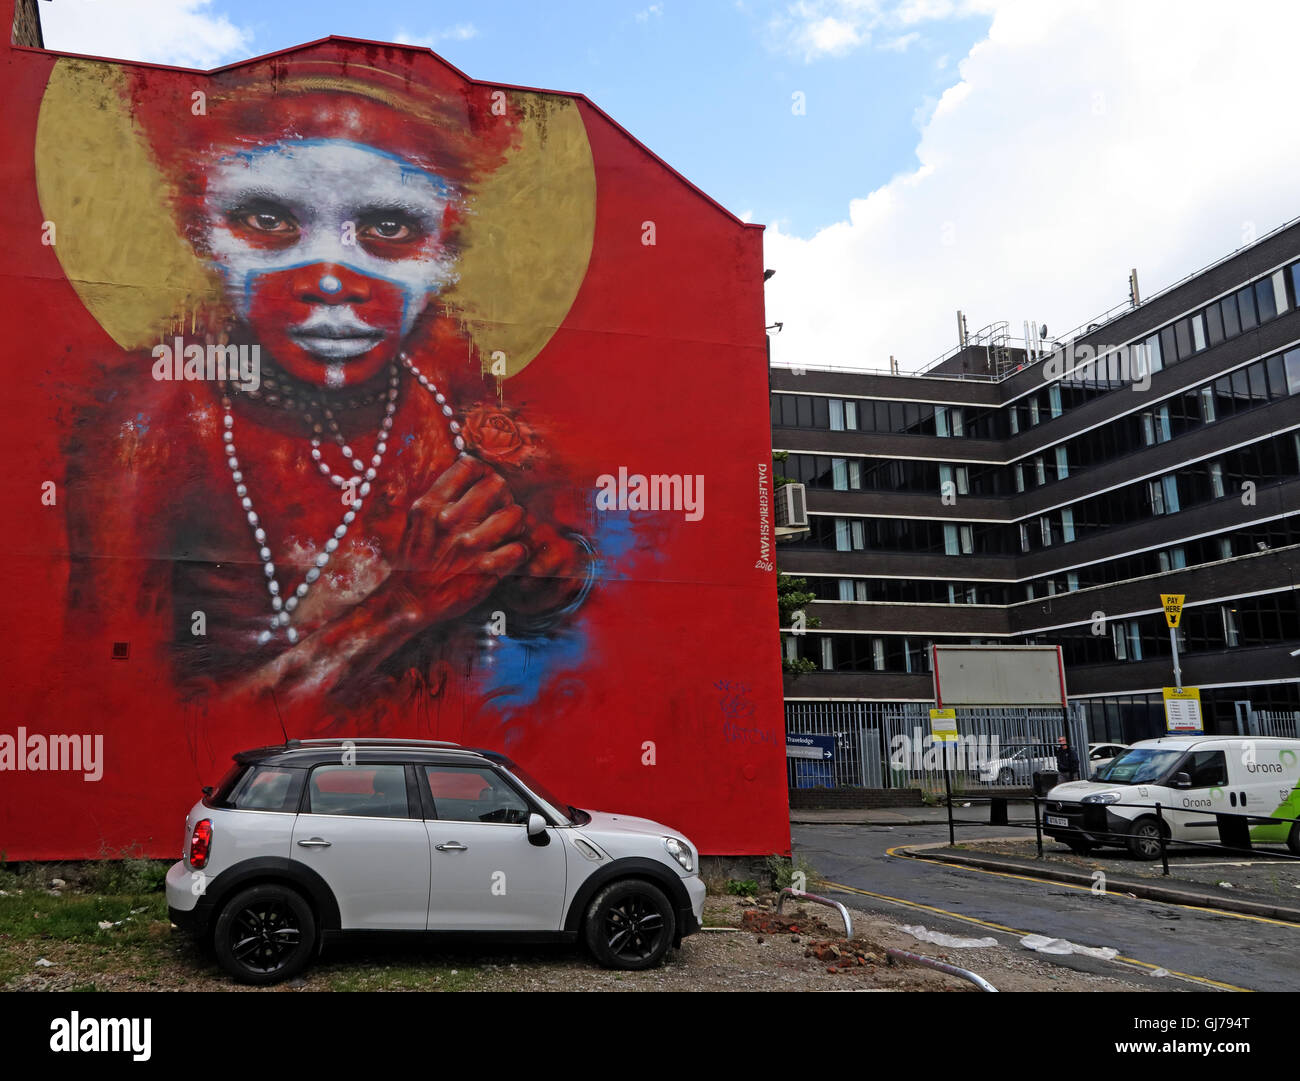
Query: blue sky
[706, 84]
[1009, 158]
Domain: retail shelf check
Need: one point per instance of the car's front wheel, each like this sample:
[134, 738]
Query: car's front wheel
[1144, 839]
[265, 934]
[630, 925]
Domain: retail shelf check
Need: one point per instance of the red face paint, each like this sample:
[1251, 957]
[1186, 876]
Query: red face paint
[326, 324]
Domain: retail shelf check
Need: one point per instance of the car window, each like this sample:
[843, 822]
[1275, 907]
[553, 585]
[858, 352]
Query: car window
[363, 791]
[473, 794]
[1139, 765]
[1206, 768]
[265, 788]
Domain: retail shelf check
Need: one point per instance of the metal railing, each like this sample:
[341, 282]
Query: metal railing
[888, 745]
[1234, 826]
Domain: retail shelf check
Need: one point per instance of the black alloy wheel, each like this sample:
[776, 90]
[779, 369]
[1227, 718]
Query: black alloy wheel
[265, 934]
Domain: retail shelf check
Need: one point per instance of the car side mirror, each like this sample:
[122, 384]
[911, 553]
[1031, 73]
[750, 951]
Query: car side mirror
[537, 834]
[1181, 780]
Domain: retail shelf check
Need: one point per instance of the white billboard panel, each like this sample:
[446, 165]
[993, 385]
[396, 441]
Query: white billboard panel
[999, 676]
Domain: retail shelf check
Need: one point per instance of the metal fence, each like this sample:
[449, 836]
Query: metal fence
[888, 745]
[1270, 723]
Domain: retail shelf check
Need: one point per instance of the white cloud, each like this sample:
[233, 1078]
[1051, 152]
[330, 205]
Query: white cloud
[653, 9]
[459, 32]
[183, 33]
[815, 29]
[900, 43]
[1084, 138]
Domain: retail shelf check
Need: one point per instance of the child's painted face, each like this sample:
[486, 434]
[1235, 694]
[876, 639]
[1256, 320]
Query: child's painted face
[330, 250]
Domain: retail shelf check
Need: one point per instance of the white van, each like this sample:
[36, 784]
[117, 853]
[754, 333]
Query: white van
[1194, 779]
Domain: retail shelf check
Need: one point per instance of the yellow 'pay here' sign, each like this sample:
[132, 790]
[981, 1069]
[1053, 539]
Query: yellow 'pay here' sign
[1173, 603]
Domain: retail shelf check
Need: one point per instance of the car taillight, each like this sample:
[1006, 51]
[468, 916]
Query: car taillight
[201, 844]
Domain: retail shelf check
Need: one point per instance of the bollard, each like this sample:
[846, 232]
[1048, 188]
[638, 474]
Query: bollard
[1038, 827]
[1164, 848]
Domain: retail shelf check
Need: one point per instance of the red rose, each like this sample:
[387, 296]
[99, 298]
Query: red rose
[495, 436]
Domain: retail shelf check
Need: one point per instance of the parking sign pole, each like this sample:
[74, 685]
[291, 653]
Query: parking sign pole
[1173, 606]
[1173, 643]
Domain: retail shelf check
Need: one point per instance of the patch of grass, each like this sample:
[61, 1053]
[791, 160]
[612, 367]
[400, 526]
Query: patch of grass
[37, 914]
[783, 870]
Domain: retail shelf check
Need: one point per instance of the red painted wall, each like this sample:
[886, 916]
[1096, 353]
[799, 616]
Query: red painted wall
[651, 637]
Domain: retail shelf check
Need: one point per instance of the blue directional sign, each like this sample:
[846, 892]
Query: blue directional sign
[799, 745]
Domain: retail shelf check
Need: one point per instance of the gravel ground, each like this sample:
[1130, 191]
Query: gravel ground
[158, 958]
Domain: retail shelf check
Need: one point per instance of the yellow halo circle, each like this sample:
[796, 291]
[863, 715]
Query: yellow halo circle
[527, 235]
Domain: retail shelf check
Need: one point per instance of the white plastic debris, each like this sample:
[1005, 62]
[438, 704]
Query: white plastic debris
[42, 963]
[104, 925]
[938, 938]
[1062, 946]
[1160, 972]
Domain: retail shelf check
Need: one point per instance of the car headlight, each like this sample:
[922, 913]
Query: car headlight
[681, 852]
[1101, 797]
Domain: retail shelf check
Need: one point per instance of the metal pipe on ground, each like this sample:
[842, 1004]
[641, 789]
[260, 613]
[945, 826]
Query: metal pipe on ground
[942, 966]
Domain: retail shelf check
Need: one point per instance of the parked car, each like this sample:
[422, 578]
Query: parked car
[317, 838]
[1018, 767]
[1195, 779]
[1101, 755]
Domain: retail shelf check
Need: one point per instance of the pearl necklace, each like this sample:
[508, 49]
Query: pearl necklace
[356, 489]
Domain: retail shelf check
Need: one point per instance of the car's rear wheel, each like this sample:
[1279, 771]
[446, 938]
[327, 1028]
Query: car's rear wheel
[265, 934]
[630, 924]
[1144, 839]
[1293, 839]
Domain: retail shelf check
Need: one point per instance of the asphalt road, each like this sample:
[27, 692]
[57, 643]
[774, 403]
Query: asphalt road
[1215, 949]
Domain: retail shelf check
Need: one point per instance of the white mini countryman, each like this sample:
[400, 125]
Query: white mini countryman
[322, 837]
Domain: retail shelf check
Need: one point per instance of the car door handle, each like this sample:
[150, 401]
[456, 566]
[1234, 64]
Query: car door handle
[314, 842]
[452, 846]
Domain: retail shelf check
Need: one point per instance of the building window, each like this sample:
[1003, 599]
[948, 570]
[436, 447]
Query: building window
[1067, 525]
[837, 415]
[1216, 479]
[1231, 633]
[1119, 640]
[878, 654]
[846, 589]
[1207, 404]
[1156, 497]
[1062, 462]
[828, 654]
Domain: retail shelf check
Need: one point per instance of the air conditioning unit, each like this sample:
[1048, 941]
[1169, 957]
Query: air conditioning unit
[791, 507]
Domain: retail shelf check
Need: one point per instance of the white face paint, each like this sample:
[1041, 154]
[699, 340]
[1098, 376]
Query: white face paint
[370, 222]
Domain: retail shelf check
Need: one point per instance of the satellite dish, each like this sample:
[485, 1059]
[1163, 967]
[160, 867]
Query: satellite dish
[1042, 331]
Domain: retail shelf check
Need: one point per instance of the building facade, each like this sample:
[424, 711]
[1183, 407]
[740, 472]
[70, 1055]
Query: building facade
[1015, 494]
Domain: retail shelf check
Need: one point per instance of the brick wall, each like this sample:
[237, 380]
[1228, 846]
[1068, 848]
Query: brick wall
[27, 24]
[807, 799]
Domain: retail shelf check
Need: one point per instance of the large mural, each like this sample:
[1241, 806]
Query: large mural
[360, 398]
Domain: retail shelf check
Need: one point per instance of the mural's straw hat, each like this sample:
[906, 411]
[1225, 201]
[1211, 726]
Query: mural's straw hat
[120, 157]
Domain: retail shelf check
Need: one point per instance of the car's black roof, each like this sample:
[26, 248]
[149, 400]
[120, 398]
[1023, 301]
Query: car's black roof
[312, 752]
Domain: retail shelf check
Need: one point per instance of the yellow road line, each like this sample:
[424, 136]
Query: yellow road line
[1088, 889]
[1021, 934]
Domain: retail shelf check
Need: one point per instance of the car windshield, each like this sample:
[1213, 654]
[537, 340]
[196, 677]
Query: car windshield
[1140, 765]
[540, 790]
